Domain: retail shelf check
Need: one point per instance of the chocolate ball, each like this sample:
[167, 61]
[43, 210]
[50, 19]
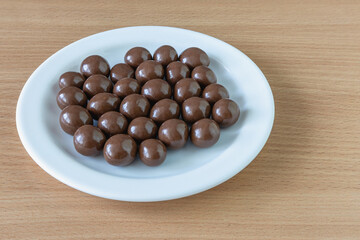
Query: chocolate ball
[174, 133]
[71, 79]
[95, 84]
[214, 92]
[225, 112]
[142, 128]
[176, 71]
[204, 133]
[194, 57]
[163, 110]
[149, 70]
[112, 123]
[135, 56]
[120, 71]
[102, 103]
[194, 109]
[126, 86]
[203, 75]
[186, 88]
[135, 105]
[156, 89]
[152, 152]
[89, 140]
[71, 96]
[94, 64]
[72, 117]
[120, 150]
[165, 55]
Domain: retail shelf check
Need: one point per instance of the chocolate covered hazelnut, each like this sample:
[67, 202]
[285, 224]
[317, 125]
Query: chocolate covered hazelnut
[148, 70]
[102, 103]
[135, 56]
[135, 105]
[176, 71]
[174, 133]
[194, 57]
[194, 109]
[72, 117]
[152, 152]
[95, 84]
[71, 79]
[120, 71]
[126, 86]
[214, 92]
[186, 88]
[142, 128]
[94, 64]
[225, 112]
[165, 55]
[120, 150]
[89, 140]
[112, 123]
[71, 96]
[156, 89]
[163, 110]
[203, 75]
[204, 133]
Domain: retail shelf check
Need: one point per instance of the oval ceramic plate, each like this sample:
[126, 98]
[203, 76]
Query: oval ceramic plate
[186, 171]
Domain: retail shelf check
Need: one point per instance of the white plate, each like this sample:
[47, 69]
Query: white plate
[186, 171]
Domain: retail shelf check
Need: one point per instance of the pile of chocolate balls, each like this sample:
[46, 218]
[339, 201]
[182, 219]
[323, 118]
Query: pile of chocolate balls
[145, 105]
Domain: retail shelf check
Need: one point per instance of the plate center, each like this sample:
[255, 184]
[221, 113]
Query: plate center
[177, 161]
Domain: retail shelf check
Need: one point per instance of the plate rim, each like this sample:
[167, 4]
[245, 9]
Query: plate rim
[80, 187]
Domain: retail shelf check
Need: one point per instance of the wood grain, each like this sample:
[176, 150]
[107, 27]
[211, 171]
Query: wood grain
[305, 183]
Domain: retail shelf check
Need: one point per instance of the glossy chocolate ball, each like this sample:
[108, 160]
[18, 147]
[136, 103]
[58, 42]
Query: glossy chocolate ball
[163, 110]
[102, 103]
[72, 117]
[176, 71]
[165, 55]
[205, 133]
[152, 152]
[71, 96]
[225, 112]
[71, 79]
[203, 75]
[120, 71]
[194, 57]
[186, 88]
[94, 64]
[214, 92]
[135, 105]
[149, 70]
[135, 56]
[156, 89]
[95, 84]
[120, 150]
[89, 140]
[174, 133]
[142, 128]
[112, 123]
[194, 109]
[126, 86]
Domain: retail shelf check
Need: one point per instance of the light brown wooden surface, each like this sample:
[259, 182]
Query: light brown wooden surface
[305, 183]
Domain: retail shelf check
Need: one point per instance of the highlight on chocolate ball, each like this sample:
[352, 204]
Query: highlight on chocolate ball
[144, 105]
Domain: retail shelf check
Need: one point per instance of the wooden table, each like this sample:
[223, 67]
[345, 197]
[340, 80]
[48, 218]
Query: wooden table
[305, 184]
